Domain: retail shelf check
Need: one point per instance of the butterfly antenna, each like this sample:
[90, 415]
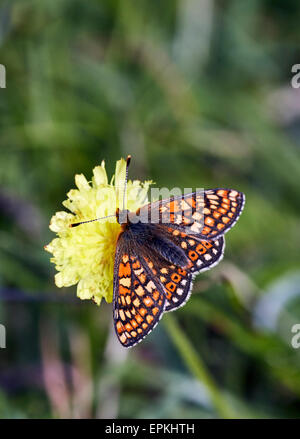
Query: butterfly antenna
[126, 177]
[90, 221]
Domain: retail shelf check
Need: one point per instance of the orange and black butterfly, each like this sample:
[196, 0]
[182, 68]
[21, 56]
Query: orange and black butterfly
[156, 261]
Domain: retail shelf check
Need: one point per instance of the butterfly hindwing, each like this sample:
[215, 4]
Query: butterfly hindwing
[177, 284]
[138, 302]
[178, 281]
[201, 254]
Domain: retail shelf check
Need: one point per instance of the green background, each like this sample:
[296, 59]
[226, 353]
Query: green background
[199, 92]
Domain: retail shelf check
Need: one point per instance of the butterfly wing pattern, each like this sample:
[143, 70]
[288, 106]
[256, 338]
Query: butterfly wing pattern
[177, 282]
[146, 284]
[138, 301]
[202, 256]
[207, 214]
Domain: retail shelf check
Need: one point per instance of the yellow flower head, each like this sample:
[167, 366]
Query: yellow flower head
[85, 254]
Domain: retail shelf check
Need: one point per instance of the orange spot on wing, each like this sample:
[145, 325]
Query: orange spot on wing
[222, 193]
[171, 286]
[148, 301]
[123, 290]
[142, 278]
[193, 255]
[175, 277]
[124, 270]
[226, 206]
[181, 271]
[149, 319]
[119, 327]
[155, 295]
[142, 311]
[134, 323]
[172, 206]
[136, 265]
[209, 221]
[139, 319]
[200, 249]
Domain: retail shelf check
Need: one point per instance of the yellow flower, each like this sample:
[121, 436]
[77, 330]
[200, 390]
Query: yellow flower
[85, 254]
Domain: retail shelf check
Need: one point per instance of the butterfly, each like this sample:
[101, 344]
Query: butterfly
[159, 251]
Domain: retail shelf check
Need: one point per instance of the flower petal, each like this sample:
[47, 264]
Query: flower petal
[60, 221]
[120, 176]
[100, 176]
[81, 182]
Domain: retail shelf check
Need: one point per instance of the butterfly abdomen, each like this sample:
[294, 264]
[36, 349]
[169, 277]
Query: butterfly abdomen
[169, 251]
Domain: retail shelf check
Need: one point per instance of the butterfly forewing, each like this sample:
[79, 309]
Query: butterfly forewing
[206, 214]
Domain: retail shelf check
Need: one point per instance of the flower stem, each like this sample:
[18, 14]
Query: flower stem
[195, 364]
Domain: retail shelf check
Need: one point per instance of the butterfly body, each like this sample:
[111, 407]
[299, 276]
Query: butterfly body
[156, 262]
[152, 239]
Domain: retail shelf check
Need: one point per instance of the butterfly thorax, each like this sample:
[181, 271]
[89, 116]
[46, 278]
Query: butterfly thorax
[149, 239]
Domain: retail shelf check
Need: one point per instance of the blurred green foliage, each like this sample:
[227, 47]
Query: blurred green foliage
[199, 93]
